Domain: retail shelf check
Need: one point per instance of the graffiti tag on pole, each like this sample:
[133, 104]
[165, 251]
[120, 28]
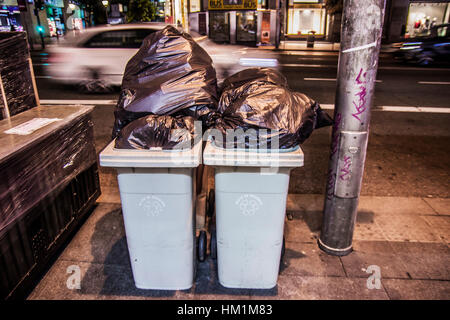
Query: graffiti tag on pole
[360, 104]
[345, 171]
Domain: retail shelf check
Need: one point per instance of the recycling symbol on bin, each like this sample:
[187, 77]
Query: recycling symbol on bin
[249, 204]
[153, 206]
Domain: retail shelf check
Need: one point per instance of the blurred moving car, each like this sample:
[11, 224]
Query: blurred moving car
[95, 58]
[429, 49]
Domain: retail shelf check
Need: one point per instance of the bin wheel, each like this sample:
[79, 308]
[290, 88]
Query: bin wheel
[201, 246]
[213, 245]
[211, 203]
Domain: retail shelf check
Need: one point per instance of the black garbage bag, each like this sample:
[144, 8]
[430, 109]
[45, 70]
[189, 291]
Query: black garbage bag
[169, 75]
[259, 102]
[264, 75]
[154, 131]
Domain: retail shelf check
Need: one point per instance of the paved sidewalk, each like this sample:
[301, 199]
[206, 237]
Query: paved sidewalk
[406, 237]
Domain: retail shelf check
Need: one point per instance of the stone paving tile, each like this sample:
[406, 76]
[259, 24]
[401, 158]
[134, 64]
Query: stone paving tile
[109, 186]
[440, 205]
[305, 202]
[306, 259]
[304, 227]
[424, 260]
[376, 220]
[440, 226]
[379, 253]
[207, 284]
[394, 205]
[109, 195]
[306, 211]
[323, 288]
[97, 239]
[54, 284]
[98, 281]
[398, 289]
[37, 293]
[366, 228]
[405, 227]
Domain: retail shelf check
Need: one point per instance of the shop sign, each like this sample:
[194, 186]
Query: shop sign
[232, 4]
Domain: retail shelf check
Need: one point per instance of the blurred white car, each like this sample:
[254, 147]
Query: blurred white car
[95, 58]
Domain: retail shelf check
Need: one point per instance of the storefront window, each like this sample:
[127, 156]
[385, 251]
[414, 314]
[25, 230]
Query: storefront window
[423, 16]
[262, 4]
[51, 27]
[246, 26]
[168, 12]
[301, 21]
[10, 18]
[219, 26]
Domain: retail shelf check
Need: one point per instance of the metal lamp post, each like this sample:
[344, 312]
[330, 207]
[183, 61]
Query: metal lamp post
[358, 62]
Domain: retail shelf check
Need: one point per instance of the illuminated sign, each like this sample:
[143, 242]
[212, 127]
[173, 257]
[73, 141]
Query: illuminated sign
[232, 4]
[194, 6]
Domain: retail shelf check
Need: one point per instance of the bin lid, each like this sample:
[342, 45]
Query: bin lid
[217, 156]
[153, 158]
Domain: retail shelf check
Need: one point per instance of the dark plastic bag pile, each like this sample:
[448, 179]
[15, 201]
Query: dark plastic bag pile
[155, 131]
[259, 98]
[169, 75]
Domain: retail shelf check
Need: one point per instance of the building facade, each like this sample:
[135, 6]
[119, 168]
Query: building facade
[258, 22]
[410, 18]
[10, 18]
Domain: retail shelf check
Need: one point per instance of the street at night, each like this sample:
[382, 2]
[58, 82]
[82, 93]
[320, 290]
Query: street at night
[403, 212]
[251, 151]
